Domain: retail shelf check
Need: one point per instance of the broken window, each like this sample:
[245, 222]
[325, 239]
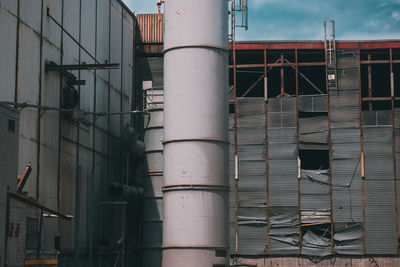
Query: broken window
[314, 159]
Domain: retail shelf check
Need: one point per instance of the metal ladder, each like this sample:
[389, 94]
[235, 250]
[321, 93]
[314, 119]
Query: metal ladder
[239, 8]
[330, 54]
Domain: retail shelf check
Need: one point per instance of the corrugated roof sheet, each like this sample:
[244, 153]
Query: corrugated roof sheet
[151, 27]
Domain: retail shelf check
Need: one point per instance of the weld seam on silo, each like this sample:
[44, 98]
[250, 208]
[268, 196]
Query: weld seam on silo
[196, 46]
[153, 127]
[196, 247]
[156, 173]
[190, 187]
[196, 140]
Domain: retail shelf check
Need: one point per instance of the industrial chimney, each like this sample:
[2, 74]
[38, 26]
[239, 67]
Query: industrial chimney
[195, 229]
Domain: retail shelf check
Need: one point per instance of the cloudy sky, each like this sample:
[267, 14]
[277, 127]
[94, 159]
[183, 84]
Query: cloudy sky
[303, 19]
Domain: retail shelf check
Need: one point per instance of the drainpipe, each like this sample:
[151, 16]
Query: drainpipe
[195, 228]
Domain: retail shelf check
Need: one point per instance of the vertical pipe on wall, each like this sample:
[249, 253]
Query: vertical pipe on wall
[78, 175]
[60, 117]
[195, 229]
[91, 187]
[17, 54]
[40, 100]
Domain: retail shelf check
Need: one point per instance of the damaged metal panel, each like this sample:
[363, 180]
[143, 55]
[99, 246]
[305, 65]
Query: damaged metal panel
[252, 230]
[349, 240]
[315, 245]
[282, 176]
[345, 141]
[313, 130]
[314, 186]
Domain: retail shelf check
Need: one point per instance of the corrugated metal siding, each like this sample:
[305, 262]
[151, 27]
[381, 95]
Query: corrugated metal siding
[346, 172]
[345, 137]
[379, 191]
[346, 151]
[151, 28]
[397, 155]
[252, 180]
[282, 152]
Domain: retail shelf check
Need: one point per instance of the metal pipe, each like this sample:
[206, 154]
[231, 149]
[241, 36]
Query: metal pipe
[125, 192]
[151, 252]
[195, 229]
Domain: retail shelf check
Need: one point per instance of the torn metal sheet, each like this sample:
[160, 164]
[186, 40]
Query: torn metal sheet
[315, 245]
[315, 216]
[319, 176]
[349, 240]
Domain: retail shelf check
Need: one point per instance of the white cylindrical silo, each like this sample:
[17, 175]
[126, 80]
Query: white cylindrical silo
[151, 253]
[195, 216]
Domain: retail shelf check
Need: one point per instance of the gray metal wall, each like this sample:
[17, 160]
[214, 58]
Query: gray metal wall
[8, 166]
[344, 206]
[68, 155]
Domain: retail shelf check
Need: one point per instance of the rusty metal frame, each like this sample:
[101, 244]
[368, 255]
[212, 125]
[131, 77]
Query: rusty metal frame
[330, 157]
[304, 77]
[236, 148]
[287, 45]
[394, 155]
[258, 80]
[267, 249]
[253, 85]
[362, 154]
[298, 152]
[280, 62]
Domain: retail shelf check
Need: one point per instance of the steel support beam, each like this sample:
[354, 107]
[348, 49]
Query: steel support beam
[52, 66]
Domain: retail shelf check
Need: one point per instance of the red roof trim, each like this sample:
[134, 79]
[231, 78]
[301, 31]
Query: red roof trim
[317, 45]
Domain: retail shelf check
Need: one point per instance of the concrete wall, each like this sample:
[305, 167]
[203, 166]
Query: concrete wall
[68, 155]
